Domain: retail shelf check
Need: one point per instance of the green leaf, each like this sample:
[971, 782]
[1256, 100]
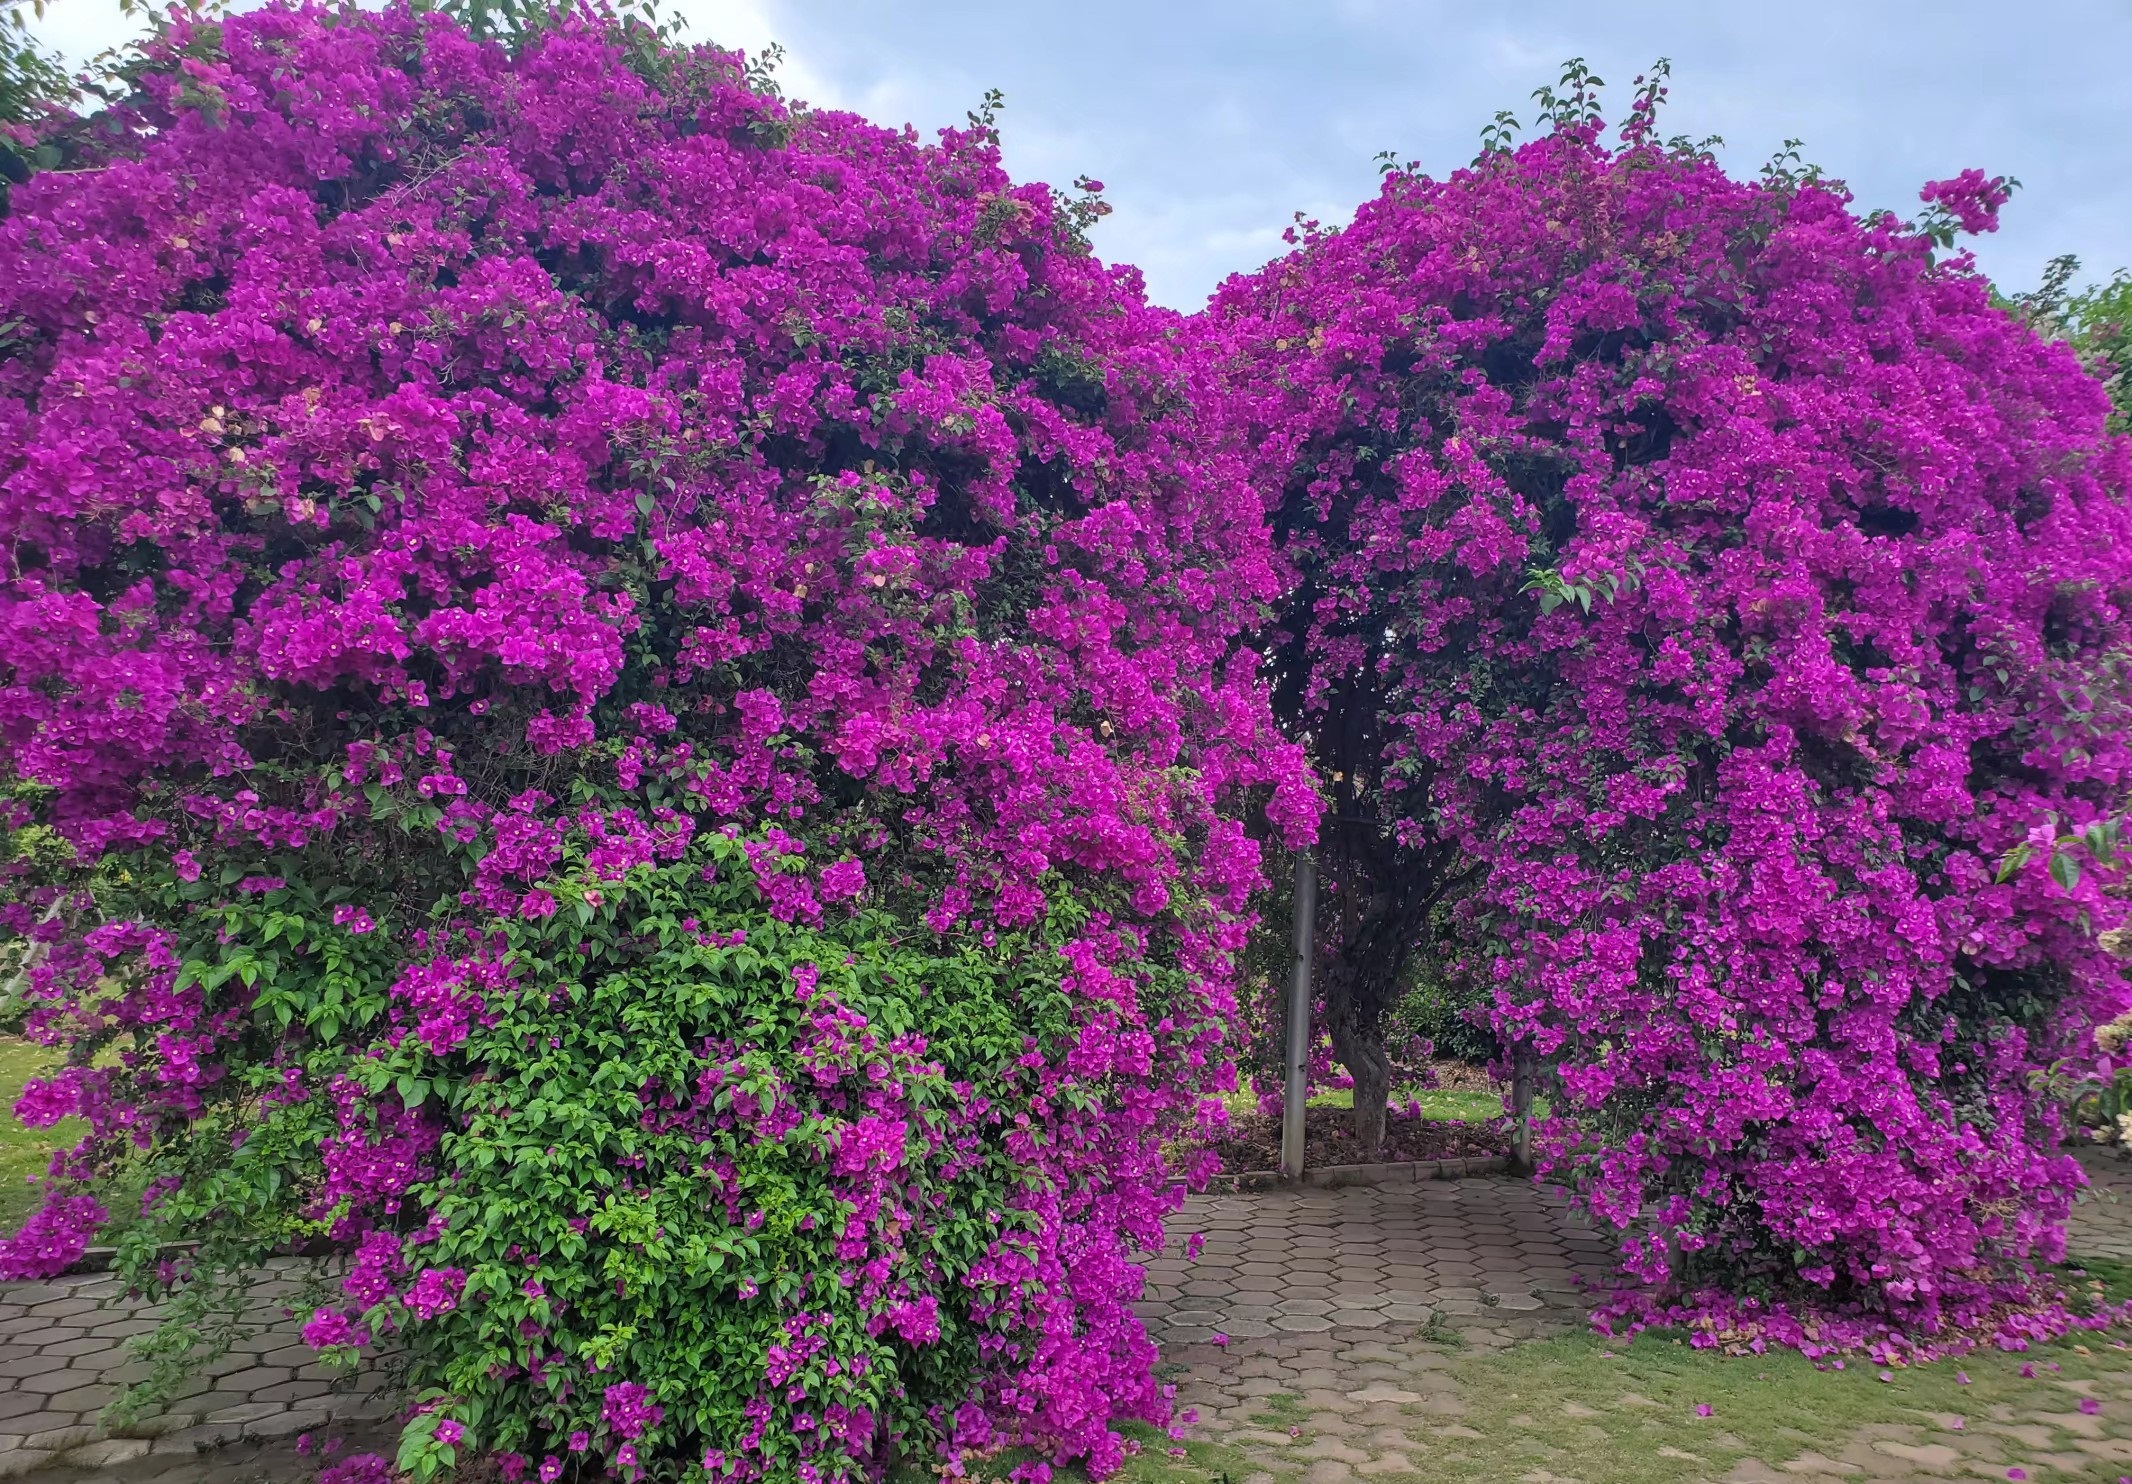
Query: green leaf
[2064, 869]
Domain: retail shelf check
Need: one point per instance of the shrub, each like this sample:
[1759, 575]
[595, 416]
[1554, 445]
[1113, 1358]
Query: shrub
[1703, 591]
[1448, 1012]
[683, 1178]
[489, 525]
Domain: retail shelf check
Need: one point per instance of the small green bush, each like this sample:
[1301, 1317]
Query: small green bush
[793, 1181]
[1438, 1009]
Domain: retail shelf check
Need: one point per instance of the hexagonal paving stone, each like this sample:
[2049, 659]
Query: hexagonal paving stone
[84, 1399]
[1301, 1324]
[63, 1308]
[251, 1379]
[50, 1380]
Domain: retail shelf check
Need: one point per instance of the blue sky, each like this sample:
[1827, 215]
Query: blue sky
[1211, 124]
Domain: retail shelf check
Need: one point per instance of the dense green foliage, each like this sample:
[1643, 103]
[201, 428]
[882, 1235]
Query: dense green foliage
[684, 1143]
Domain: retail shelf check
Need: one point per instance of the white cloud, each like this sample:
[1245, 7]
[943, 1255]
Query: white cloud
[754, 26]
[80, 30]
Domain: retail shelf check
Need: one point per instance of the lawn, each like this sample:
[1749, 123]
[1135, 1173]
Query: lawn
[1632, 1414]
[1448, 1104]
[1582, 1409]
[23, 1151]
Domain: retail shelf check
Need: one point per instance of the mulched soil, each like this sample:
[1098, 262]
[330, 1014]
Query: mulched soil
[1253, 1141]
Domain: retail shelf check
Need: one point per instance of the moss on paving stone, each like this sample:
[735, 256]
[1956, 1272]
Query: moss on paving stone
[1159, 1460]
[1581, 1408]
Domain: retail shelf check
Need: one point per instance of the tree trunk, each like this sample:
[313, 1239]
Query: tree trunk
[1363, 1054]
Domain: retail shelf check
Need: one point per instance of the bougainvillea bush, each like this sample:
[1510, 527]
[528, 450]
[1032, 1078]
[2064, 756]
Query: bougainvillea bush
[645, 688]
[1714, 612]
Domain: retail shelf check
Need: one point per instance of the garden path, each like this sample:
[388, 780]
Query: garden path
[1336, 1390]
[2102, 1223]
[1322, 1335]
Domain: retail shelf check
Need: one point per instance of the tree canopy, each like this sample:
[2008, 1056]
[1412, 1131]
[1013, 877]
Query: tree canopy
[1714, 596]
[646, 690]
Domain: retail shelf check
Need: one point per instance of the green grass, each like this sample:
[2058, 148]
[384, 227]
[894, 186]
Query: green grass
[1436, 1103]
[24, 1152]
[1281, 1411]
[1603, 1412]
[1462, 1107]
[2115, 1277]
[1626, 1414]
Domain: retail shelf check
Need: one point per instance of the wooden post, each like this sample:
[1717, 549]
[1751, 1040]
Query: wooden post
[1521, 1107]
[1297, 1089]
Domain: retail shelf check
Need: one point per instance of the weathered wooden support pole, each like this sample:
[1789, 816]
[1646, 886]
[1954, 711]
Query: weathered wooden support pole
[1297, 1089]
[1521, 1081]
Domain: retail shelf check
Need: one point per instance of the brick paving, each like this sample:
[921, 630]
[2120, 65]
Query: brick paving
[2102, 1221]
[63, 1359]
[1335, 1306]
[1360, 1260]
[1399, 1408]
[1316, 1330]
[1339, 1393]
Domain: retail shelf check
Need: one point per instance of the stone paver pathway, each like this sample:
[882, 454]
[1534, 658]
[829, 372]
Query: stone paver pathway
[63, 1358]
[1327, 1311]
[1362, 1261]
[1335, 1313]
[2102, 1221]
[1302, 1272]
[1333, 1390]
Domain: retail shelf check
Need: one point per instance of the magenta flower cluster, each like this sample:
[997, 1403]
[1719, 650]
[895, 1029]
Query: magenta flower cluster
[1738, 591]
